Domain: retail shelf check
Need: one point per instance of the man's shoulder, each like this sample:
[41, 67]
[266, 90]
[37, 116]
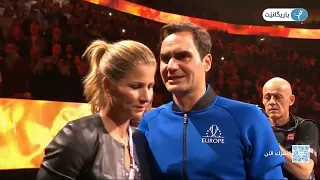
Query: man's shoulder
[305, 121]
[154, 112]
[234, 106]
[244, 114]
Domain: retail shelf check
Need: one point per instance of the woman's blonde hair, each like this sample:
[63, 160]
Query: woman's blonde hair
[112, 61]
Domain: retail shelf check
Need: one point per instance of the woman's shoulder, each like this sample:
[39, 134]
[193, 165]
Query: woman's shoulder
[89, 122]
[82, 129]
[72, 147]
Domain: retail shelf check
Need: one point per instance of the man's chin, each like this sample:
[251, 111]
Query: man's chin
[174, 88]
[273, 116]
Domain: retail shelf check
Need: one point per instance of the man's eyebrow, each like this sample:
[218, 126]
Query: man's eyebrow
[274, 94]
[178, 52]
[165, 54]
[183, 53]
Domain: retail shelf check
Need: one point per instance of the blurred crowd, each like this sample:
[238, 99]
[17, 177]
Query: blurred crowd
[207, 9]
[41, 43]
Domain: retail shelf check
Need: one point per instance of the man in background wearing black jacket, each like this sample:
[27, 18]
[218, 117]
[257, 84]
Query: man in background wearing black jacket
[290, 129]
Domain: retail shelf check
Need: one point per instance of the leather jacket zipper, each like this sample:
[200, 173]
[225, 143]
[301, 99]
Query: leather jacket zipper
[185, 124]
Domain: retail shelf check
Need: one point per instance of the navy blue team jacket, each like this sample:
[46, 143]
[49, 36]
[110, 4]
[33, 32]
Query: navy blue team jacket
[219, 138]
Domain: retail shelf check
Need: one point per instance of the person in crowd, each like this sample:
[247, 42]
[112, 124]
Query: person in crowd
[200, 135]
[290, 129]
[119, 87]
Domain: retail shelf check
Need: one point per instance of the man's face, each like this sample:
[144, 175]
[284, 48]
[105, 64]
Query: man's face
[182, 70]
[276, 101]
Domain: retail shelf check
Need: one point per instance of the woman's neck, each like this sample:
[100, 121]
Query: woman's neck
[114, 125]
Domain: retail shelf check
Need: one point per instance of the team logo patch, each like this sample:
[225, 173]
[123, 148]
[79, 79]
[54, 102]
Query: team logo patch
[213, 136]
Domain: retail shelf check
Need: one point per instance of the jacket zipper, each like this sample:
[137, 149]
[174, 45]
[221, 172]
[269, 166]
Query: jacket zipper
[185, 124]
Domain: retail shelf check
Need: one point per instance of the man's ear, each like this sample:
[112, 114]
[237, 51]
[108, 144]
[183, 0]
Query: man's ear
[292, 99]
[207, 61]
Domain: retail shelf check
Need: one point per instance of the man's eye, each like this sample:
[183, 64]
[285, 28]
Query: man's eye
[165, 58]
[182, 55]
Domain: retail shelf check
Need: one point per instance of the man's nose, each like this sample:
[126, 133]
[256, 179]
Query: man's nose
[272, 100]
[172, 65]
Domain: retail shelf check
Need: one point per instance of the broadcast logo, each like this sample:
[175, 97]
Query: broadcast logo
[285, 14]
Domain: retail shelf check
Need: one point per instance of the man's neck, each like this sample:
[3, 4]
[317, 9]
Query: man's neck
[281, 121]
[187, 101]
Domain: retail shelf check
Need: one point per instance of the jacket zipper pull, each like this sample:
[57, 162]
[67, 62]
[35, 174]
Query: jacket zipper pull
[185, 119]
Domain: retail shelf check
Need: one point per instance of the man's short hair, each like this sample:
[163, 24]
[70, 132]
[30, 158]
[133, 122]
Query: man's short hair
[201, 37]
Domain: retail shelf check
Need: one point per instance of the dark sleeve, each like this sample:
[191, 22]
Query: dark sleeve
[142, 154]
[64, 156]
[309, 135]
[45, 173]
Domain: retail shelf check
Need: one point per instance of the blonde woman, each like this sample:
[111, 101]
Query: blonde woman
[119, 87]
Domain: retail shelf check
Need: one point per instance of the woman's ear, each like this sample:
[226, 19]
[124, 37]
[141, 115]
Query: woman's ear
[106, 84]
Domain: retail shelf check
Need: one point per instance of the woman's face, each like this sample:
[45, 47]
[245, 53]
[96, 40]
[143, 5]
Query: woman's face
[132, 94]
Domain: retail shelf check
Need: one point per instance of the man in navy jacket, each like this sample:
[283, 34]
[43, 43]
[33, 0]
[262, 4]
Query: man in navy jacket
[200, 135]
